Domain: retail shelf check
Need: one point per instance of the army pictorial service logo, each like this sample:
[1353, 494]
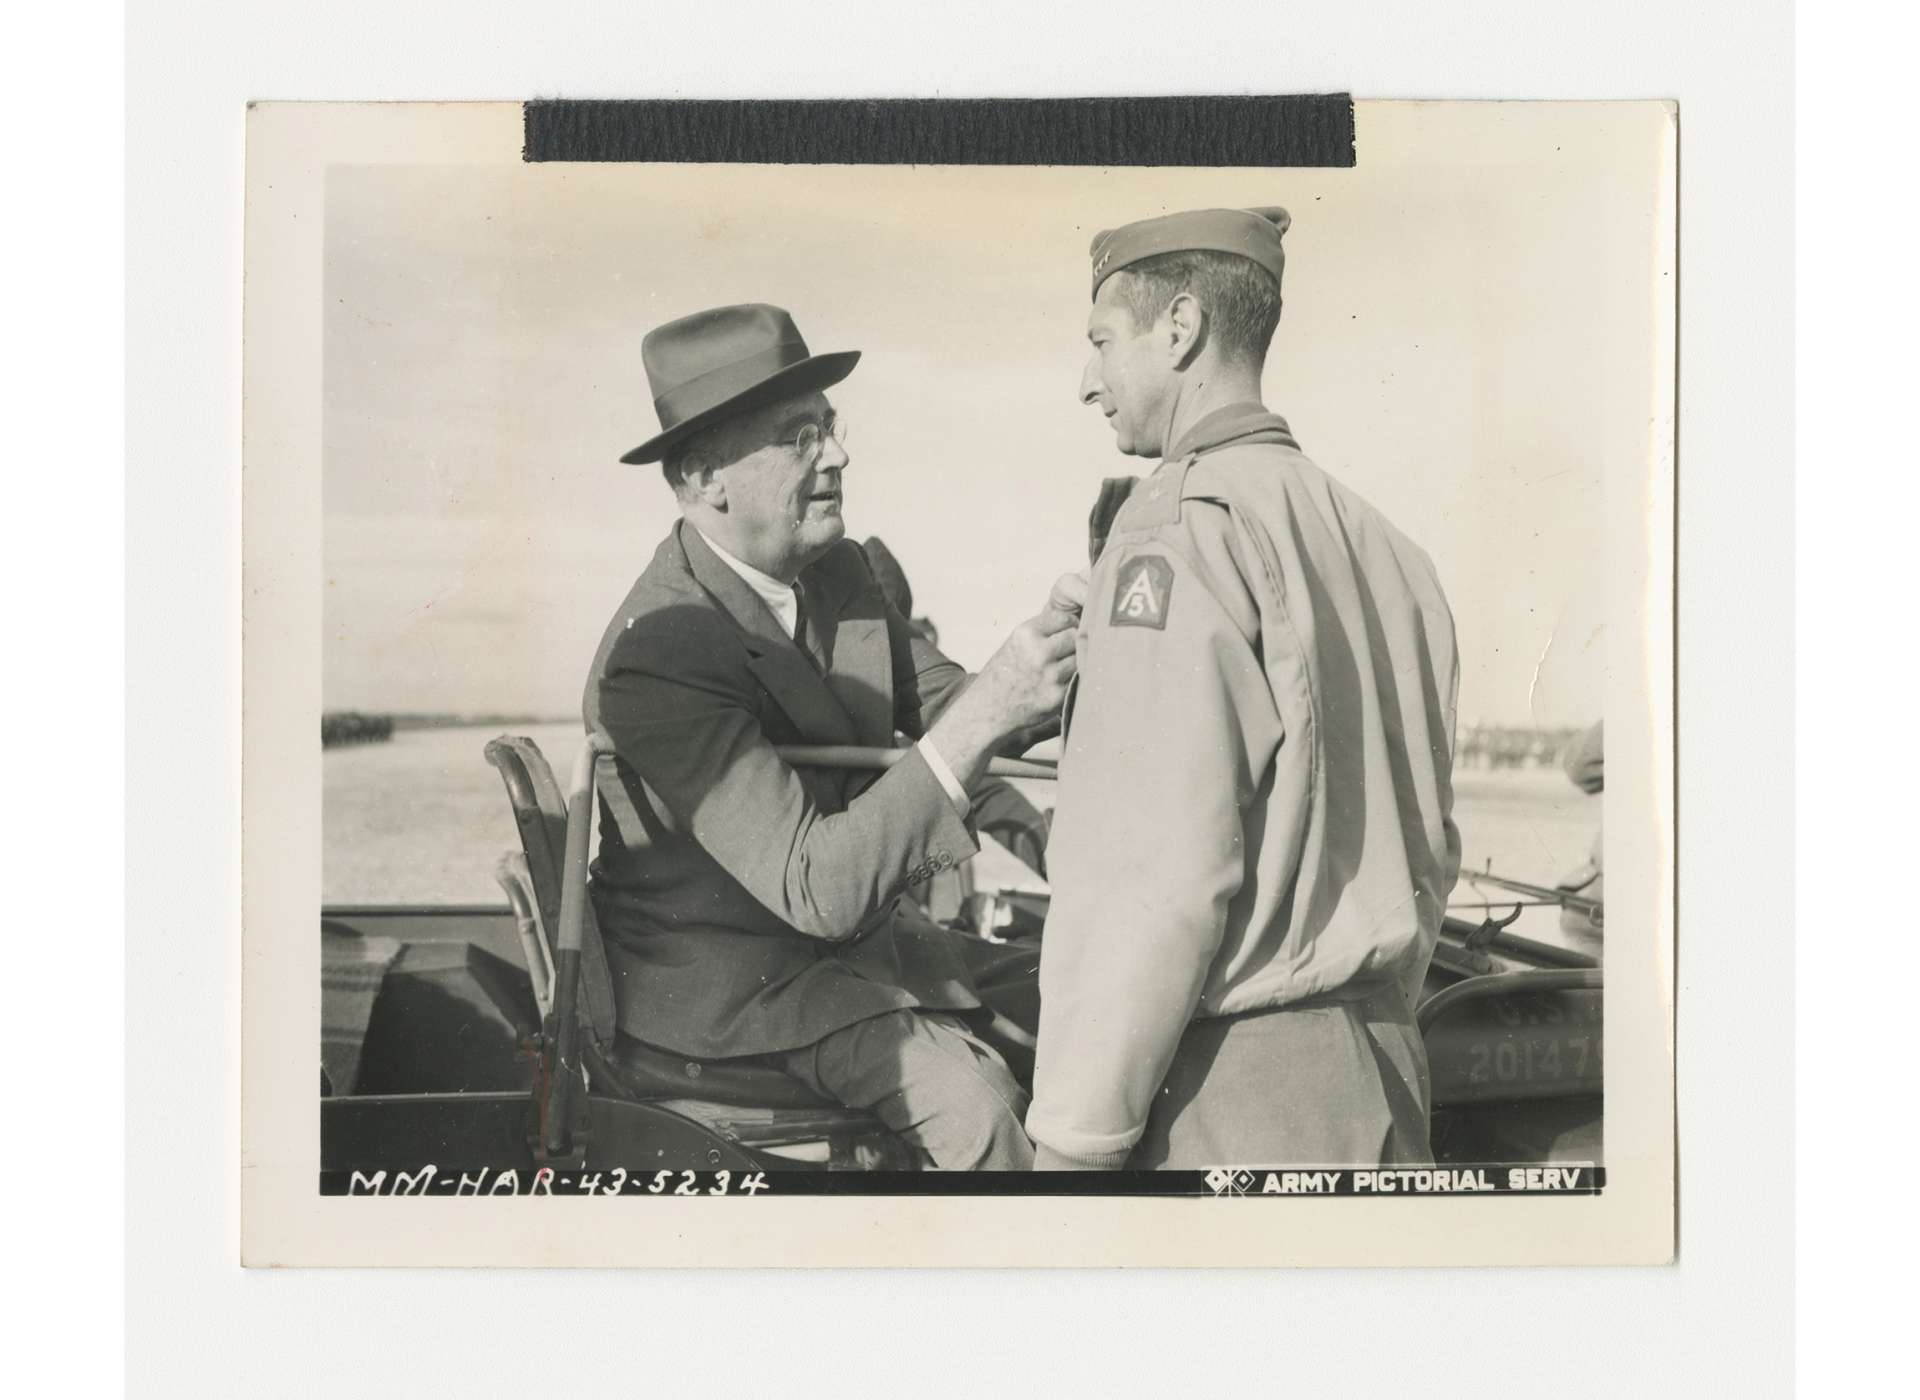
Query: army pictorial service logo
[1143, 593]
[1230, 1181]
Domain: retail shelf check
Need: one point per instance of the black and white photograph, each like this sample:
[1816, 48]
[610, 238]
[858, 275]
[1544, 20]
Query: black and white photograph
[1062, 688]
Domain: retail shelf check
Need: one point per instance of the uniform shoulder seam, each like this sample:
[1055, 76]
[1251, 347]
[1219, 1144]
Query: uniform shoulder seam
[1155, 502]
[1210, 477]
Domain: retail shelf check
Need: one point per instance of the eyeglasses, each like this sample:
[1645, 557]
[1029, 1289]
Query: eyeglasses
[811, 440]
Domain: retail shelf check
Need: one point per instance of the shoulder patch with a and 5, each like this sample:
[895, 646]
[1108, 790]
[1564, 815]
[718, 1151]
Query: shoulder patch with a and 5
[1142, 593]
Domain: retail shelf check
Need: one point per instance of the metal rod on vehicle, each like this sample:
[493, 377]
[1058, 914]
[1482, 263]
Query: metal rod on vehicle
[573, 913]
[1459, 931]
[853, 756]
[1566, 899]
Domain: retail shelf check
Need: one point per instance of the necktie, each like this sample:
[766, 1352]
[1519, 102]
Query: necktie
[806, 636]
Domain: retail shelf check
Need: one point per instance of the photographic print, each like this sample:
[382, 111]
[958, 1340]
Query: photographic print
[925, 714]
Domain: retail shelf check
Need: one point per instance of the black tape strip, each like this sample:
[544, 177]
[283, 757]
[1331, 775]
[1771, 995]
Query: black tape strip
[1185, 131]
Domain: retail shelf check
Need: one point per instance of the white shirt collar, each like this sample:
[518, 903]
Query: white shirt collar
[777, 595]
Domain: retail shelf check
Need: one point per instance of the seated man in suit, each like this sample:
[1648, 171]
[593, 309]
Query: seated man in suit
[752, 908]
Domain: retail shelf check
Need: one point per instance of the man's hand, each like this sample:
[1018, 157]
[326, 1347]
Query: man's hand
[1026, 681]
[1064, 606]
[1022, 687]
[1068, 598]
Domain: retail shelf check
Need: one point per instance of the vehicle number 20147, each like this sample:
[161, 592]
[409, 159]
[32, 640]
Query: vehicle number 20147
[1529, 1059]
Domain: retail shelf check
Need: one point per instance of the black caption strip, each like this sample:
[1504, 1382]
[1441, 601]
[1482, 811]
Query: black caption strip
[1109, 131]
[428, 1179]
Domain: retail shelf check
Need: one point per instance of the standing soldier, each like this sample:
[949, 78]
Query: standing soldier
[1253, 845]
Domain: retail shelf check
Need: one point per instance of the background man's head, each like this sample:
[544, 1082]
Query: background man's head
[892, 578]
[1179, 301]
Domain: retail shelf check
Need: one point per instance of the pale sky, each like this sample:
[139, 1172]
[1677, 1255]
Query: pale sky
[1466, 341]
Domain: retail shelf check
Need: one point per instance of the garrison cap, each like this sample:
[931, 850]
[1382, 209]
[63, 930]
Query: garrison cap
[1249, 233]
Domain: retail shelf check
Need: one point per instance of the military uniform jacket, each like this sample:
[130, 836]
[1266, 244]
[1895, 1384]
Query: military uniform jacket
[1256, 789]
[749, 906]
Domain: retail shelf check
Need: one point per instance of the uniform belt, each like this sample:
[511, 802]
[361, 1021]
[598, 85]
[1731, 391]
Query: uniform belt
[1382, 1000]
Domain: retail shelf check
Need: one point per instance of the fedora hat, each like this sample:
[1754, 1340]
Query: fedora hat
[713, 364]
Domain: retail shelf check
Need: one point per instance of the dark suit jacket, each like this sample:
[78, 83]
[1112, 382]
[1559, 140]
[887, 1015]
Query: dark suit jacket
[749, 906]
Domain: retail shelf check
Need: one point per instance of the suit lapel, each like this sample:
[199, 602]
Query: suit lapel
[853, 634]
[787, 673]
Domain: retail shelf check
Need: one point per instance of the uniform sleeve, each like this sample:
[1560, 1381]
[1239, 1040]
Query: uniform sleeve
[687, 730]
[1173, 732]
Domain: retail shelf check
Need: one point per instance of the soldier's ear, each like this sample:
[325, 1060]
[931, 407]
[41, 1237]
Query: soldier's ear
[1187, 322]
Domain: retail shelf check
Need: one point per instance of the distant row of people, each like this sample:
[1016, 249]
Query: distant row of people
[1501, 746]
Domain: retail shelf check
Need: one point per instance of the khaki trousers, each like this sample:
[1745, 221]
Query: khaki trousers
[1319, 1085]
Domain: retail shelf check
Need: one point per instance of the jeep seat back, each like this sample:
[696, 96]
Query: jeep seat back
[540, 814]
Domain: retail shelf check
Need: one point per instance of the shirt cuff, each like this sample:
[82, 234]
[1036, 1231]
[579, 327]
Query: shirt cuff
[944, 775]
[1071, 1142]
[1045, 1159]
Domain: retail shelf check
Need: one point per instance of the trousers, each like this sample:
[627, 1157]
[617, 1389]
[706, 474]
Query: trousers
[931, 1080]
[1331, 1084]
